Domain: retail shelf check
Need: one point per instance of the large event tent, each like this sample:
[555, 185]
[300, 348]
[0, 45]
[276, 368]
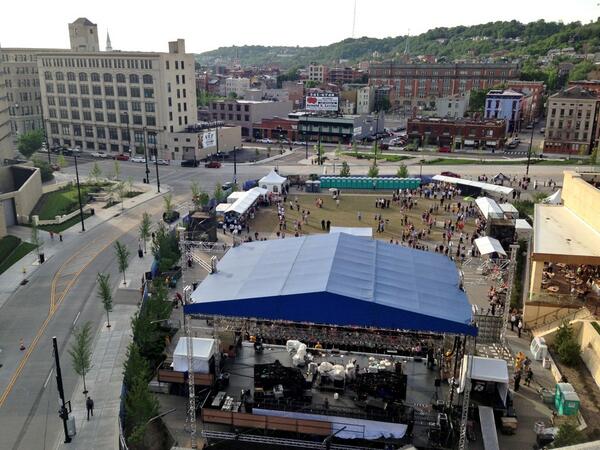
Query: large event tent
[272, 182]
[337, 279]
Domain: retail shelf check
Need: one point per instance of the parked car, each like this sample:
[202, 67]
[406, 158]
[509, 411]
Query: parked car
[212, 165]
[67, 152]
[95, 154]
[138, 159]
[189, 163]
[450, 174]
[513, 144]
[163, 162]
[55, 167]
[122, 157]
[445, 149]
[227, 188]
[384, 146]
[542, 130]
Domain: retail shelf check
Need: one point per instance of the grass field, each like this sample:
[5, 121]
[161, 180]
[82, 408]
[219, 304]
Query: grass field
[380, 156]
[63, 201]
[12, 249]
[59, 228]
[506, 162]
[347, 215]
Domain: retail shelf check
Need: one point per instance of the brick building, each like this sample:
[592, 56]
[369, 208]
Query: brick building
[534, 96]
[277, 128]
[419, 84]
[458, 132]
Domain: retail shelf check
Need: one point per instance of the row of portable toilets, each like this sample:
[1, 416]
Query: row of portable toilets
[369, 183]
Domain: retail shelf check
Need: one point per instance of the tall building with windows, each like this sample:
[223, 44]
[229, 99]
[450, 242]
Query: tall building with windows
[83, 36]
[6, 144]
[117, 101]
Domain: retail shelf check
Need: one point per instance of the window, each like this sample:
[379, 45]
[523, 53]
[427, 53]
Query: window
[169, 87]
[179, 95]
[107, 77]
[148, 93]
[87, 115]
[170, 102]
[111, 117]
[178, 107]
[167, 64]
[136, 106]
[85, 102]
[77, 130]
[121, 78]
[96, 90]
[184, 93]
[182, 76]
[238, 117]
[137, 119]
[60, 88]
[124, 118]
[83, 76]
[138, 136]
[71, 76]
[89, 145]
[149, 107]
[52, 113]
[75, 114]
[89, 131]
[125, 136]
[110, 104]
[135, 91]
[51, 101]
[98, 103]
[133, 78]
[95, 76]
[72, 89]
[176, 79]
[99, 116]
[109, 91]
[54, 128]
[84, 89]
[123, 105]
[246, 118]
[176, 65]
[112, 133]
[150, 121]
[122, 91]
[62, 101]
[60, 76]
[101, 132]
[48, 76]
[74, 102]
[66, 129]
[147, 79]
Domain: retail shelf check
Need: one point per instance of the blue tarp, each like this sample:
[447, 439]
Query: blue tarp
[337, 279]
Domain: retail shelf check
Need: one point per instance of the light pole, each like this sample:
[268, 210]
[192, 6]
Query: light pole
[529, 150]
[156, 165]
[234, 164]
[319, 148]
[79, 193]
[376, 137]
[146, 157]
[306, 139]
[63, 413]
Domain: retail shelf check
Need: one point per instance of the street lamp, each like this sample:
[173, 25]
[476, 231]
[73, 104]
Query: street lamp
[156, 165]
[146, 156]
[63, 413]
[529, 151]
[234, 164]
[79, 193]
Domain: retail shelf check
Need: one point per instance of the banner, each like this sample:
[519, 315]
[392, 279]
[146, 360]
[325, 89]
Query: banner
[322, 102]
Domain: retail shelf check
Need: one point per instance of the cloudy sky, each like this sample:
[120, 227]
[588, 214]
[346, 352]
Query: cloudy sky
[206, 25]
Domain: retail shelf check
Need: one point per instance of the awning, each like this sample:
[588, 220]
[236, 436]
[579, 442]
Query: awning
[469, 142]
[487, 245]
[489, 208]
[522, 225]
[554, 199]
[486, 187]
[485, 369]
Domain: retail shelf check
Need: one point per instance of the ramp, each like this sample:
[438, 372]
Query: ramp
[488, 428]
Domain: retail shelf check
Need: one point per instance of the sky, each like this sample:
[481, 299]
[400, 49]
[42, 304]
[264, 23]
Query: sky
[206, 25]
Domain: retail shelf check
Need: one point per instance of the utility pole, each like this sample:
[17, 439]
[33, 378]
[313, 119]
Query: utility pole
[376, 136]
[306, 138]
[319, 148]
[79, 193]
[234, 164]
[63, 412]
[156, 165]
[146, 157]
[529, 150]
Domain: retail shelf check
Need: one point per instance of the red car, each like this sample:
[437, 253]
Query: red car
[450, 174]
[122, 157]
[445, 149]
[212, 165]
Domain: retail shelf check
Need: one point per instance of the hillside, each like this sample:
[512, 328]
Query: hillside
[513, 37]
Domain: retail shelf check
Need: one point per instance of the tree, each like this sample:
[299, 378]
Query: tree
[139, 150]
[568, 434]
[135, 365]
[165, 248]
[119, 191]
[144, 228]
[402, 171]
[168, 202]
[30, 142]
[105, 294]
[61, 161]
[95, 172]
[567, 347]
[594, 156]
[117, 169]
[122, 258]
[232, 95]
[36, 239]
[477, 100]
[373, 171]
[81, 352]
[140, 406]
[355, 149]
[199, 197]
[580, 70]
[218, 194]
[45, 170]
[345, 170]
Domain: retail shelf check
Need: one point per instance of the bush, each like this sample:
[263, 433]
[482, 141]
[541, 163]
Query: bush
[568, 434]
[45, 170]
[345, 170]
[567, 346]
[373, 171]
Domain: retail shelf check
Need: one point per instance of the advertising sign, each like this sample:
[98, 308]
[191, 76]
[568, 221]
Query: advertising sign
[322, 102]
[209, 139]
[357, 131]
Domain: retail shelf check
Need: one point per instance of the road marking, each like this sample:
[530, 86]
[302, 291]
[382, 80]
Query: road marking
[76, 317]
[48, 378]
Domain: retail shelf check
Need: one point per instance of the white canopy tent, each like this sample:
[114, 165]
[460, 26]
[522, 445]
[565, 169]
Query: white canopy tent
[203, 350]
[485, 187]
[554, 199]
[478, 368]
[231, 198]
[523, 228]
[489, 208]
[487, 245]
[245, 202]
[222, 207]
[356, 231]
[272, 182]
[509, 210]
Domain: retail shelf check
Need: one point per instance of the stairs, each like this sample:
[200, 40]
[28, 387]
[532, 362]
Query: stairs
[555, 320]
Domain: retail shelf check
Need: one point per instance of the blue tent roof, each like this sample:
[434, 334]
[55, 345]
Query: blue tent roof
[337, 279]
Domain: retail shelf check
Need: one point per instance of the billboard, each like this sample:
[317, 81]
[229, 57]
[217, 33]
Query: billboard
[209, 139]
[322, 102]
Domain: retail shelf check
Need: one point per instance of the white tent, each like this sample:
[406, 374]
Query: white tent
[222, 207]
[272, 182]
[554, 199]
[245, 201]
[231, 198]
[202, 350]
[487, 245]
[523, 228]
[509, 210]
[489, 208]
[356, 231]
[485, 369]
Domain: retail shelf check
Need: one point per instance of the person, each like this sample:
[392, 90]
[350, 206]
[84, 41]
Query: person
[517, 379]
[60, 237]
[519, 326]
[328, 225]
[52, 235]
[323, 224]
[337, 202]
[528, 376]
[89, 405]
[359, 216]
[513, 321]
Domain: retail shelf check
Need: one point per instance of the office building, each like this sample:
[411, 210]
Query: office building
[236, 86]
[6, 144]
[246, 113]
[505, 105]
[534, 98]
[115, 101]
[83, 36]
[571, 122]
[318, 73]
[415, 84]
[341, 129]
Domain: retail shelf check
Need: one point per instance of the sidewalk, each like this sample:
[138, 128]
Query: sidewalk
[104, 385]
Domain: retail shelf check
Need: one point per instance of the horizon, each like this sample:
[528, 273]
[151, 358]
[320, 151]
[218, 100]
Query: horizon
[151, 31]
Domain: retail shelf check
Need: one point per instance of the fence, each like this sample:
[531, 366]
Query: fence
[59, 219]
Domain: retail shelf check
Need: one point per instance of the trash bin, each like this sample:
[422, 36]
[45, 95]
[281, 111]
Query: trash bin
[42, 258]
[92, 212]
[140, 253]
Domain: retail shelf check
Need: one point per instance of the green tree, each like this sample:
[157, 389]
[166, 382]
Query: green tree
[135, 365]
[373, 171]
[140, 406]
[122, 254]
[232, 95]
[61, 161]
[45, 169]
[580, 70]
[567, 346]
[218, 193]
[144, 229]
[165, 248]
[117, 169]
[168, 202]
[105, 294]
[594, 156]
[355, 149]
[402, 171]
[477, 100]
[139, 150]
[568, 434]
[95, 172]
[36, 239]
[345, 170]
[81, 352]
[30, 142]
[196, 192]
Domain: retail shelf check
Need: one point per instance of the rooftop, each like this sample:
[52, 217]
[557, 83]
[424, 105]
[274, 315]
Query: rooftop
[575, 92]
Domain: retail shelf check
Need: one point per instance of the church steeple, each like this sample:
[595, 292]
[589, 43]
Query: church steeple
[108, 44]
